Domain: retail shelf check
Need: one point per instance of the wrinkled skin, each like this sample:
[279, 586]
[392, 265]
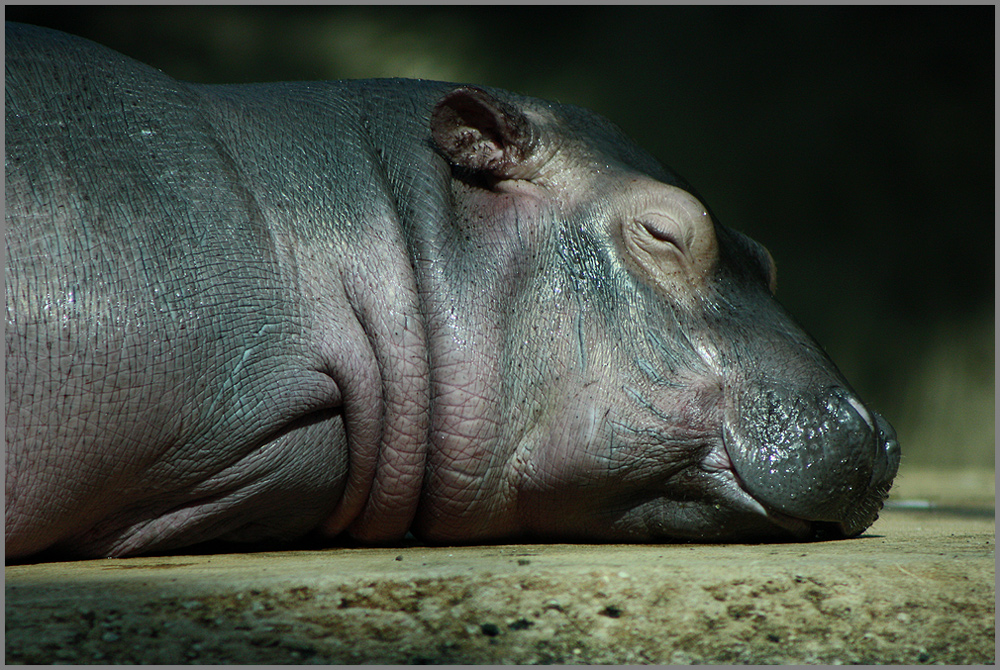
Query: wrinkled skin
[257, 312]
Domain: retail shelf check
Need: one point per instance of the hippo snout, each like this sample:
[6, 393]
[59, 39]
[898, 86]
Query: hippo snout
[820, 458]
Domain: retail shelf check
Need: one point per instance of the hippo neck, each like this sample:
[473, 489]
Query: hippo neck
[466, 492]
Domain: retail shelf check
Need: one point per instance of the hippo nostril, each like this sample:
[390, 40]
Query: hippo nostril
[852, 423]
[878, 434]
[861, 410]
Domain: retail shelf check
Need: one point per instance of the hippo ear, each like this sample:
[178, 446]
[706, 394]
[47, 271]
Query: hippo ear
[478, 132]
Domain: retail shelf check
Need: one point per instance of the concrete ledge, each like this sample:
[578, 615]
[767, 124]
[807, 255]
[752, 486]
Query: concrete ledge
[918, 588]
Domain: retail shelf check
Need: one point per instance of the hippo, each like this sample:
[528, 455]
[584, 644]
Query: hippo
[361, 309]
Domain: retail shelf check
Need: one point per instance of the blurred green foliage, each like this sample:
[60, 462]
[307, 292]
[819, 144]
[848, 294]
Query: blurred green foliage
[856, 143]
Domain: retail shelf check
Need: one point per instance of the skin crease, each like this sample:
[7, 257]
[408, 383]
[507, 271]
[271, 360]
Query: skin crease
[257, 312]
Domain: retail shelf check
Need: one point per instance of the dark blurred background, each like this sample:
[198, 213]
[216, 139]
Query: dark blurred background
[856, 143]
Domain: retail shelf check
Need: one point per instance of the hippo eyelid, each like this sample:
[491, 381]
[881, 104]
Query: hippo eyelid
[661, 235]
[671, 228]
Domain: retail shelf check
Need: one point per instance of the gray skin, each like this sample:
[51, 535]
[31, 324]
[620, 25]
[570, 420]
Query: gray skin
[371, 307]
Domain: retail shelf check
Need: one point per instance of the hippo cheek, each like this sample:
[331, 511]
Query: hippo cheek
[822, 458]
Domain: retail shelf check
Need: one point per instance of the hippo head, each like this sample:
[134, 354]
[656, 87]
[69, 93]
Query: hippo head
[649, 385]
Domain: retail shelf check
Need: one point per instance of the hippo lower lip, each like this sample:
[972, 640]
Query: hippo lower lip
[719, 464]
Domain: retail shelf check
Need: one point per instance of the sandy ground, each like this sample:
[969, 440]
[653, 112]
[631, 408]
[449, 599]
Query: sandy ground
[918, 588]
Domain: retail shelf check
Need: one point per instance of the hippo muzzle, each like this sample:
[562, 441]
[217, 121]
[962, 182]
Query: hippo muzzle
[823, 459]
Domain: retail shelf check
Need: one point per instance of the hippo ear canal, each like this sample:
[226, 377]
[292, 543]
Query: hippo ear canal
[478, 132]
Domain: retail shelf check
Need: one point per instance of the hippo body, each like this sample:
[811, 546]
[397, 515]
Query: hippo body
[258, 312]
